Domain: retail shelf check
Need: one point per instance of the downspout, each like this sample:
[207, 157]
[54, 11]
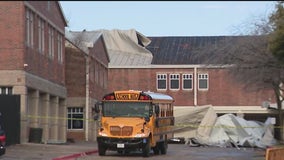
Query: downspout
[87, 99]
[195, 86]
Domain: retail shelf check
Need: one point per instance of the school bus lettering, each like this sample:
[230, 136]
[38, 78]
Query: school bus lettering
[134, 120]
[126, 96]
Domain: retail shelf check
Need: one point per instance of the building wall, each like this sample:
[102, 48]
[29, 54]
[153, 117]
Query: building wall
[99, 52]
[12, 31]
[86, 82]
[14, 51]
[75, 72]
[225, 91]
[41, 63]
[50, 9]
[222, 91]
[98, 69]
[75, 68]
[37, 78]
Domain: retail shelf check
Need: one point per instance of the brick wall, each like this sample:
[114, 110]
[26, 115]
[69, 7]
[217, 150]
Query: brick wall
[11, 31]
[50, 9]
[76, 136]
[75, 72]
[14, 52]
[98, 69]
[223, 91]
[40, 63]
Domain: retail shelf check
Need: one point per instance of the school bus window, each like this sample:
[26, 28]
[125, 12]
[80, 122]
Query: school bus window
[161, 112]
[170, 110]
[154, 108]
[163, 109]
[129, 109]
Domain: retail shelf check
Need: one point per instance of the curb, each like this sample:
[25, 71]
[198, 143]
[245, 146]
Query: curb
[76, 155]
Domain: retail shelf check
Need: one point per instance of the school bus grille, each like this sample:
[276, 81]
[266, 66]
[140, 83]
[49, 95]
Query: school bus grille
[118, 131]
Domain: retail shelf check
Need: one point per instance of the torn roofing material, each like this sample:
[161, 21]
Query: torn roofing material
[124, 47]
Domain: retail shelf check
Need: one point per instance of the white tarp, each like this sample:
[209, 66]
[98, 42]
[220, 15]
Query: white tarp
[223, 131]
[230, 129]
[124, 47]
[187, 119]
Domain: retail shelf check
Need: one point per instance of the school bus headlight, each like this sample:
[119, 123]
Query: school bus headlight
[103, 134]
[140, 135]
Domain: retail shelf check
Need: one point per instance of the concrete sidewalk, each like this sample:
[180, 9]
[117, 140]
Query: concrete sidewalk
[35, 151]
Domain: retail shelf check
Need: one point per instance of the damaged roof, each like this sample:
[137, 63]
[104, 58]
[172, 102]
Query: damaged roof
[131, 48]
[124, 47]
[181, 50]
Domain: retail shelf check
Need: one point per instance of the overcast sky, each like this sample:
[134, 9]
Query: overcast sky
[165, 18]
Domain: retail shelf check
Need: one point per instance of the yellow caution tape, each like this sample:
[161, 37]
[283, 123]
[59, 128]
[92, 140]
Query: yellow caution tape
[220, 126]
[177, 125]
[59, 118]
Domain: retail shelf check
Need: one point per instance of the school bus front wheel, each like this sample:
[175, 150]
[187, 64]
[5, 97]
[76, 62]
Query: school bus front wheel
[101, 149]
[146, 148]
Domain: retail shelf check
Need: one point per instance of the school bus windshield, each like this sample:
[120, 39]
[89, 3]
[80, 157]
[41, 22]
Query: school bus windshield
[126, 109]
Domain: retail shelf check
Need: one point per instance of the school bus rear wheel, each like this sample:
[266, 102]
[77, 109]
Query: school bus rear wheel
[163, 147]
[156, 150]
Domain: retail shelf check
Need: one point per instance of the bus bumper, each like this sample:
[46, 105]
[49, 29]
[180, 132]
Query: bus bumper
[117, 144]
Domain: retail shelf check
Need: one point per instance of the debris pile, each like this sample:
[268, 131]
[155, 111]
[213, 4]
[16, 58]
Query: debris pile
[202, 127]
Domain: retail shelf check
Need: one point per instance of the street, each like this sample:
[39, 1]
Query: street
[185, 152]
[30, 151]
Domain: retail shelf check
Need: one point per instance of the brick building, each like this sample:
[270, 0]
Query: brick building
[165, 64]
[32, 68]
[194, 84]
[86, 82]
[56, 79]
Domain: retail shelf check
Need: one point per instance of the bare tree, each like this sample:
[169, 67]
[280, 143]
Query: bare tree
[79, 38]
[250, 62]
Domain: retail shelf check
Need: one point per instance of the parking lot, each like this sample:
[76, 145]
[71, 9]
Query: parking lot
[31, 151]
[34, 151]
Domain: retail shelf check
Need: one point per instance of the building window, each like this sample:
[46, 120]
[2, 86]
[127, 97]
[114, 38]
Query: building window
[203, 81]
[162, 81]
[5, 90]
[187, 81]
[29, 28]
[174, 81]
[59, 48]
[75, 118]
[41, 35]
[51, 42]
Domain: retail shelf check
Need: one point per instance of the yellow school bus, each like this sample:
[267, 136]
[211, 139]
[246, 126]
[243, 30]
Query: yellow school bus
[132, 120]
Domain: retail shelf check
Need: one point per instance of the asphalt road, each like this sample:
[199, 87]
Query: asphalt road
[185, 152]
[77, 151]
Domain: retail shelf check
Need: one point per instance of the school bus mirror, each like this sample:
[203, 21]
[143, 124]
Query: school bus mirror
[97, 107]
[157, 109]
[147, 119]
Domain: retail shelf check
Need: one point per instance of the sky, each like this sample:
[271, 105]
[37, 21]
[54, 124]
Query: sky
[166, 18]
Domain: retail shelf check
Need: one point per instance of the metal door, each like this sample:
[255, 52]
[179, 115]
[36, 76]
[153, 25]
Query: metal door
[10, 117]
